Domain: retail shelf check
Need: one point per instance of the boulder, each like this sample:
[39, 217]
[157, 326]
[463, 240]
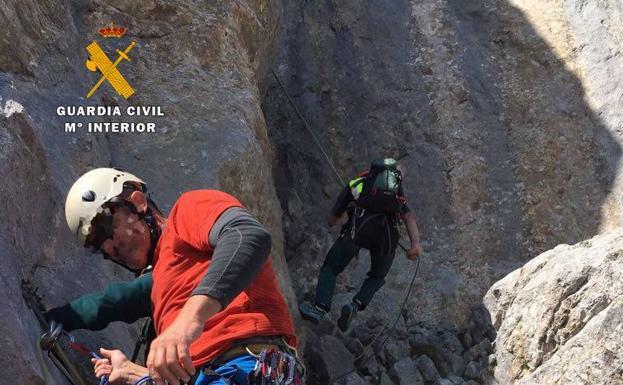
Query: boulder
[427, 368]
[406, 372]
[559, 318]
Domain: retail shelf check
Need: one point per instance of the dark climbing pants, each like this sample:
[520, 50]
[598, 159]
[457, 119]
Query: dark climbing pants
[382, 244]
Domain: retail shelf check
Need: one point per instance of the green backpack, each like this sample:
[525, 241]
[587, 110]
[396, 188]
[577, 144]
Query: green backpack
[380, 189]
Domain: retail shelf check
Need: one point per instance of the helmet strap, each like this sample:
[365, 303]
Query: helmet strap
[154, 232]
[136, 272]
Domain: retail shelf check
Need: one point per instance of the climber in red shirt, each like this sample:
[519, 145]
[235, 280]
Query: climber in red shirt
[216, 302]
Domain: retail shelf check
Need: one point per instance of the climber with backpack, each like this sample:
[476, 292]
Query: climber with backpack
[374, 201]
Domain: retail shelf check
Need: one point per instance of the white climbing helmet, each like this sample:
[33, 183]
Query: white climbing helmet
[89, 193]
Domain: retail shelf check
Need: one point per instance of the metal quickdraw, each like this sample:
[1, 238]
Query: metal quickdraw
[50, 341]
[47, 343]
[274, 367]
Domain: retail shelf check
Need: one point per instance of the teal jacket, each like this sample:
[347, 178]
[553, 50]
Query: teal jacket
[120, 301]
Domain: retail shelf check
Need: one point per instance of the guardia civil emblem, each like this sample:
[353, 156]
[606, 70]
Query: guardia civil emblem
[109, 71]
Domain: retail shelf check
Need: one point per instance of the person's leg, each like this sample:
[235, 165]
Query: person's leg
[381, 259]
[233, 372]
[341, 253]
[381, 262]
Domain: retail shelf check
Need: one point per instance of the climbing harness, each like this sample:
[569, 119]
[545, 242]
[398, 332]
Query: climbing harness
[273, 367]
[358, 214]
[50, 341]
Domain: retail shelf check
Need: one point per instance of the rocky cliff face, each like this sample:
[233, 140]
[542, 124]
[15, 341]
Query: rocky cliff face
[201, 62]
[506, 115]
[559, 318]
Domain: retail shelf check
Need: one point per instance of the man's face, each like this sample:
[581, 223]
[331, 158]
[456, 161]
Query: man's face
[130, 242]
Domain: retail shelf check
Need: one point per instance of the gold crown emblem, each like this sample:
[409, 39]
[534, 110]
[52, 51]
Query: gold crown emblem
[112, 31]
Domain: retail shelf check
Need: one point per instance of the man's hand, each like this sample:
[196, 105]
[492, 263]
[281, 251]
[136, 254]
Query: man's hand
[117, 367]
[414, 252]
[169, 356]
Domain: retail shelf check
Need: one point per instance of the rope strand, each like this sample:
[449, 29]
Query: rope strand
[307, 126]
[391, 329]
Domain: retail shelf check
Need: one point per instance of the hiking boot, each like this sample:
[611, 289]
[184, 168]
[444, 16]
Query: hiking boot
[346, 317]
[312, 313]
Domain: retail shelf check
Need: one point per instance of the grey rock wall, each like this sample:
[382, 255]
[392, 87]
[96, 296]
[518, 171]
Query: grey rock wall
[503, 156]
[506, 115]
[200, 61]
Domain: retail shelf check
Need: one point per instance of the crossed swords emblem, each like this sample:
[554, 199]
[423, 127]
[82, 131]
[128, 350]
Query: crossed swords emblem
[99, 61]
